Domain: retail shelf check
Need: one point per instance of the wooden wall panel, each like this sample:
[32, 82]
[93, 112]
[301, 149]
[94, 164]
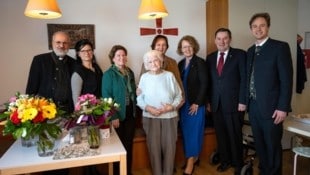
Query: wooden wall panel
[217, 16]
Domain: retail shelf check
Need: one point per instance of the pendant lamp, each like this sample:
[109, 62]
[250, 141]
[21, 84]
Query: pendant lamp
[152, 9]
[42, 9]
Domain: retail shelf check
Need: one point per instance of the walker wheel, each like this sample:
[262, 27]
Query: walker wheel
[247, 169]
[214, 158]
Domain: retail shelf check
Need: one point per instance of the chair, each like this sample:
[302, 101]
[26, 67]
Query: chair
[300, 151]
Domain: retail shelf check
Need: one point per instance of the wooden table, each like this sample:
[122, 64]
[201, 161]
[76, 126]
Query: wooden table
[297, 127]
[22, 160]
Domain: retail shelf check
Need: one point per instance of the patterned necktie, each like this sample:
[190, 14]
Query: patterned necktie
[220, 63]
[252, 86]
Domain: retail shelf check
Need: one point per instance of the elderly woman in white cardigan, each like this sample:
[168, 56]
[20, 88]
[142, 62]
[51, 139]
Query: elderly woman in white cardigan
[159, 98]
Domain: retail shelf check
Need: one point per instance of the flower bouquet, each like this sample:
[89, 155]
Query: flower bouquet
[94, 113]
[29, 116]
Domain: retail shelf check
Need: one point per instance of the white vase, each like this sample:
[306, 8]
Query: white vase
[105, 133]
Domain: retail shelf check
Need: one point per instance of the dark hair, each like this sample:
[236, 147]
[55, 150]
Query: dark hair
[158, 37]
[192, 41]
[223, 30]
[78, 47]
[266, 16]
[114, 49]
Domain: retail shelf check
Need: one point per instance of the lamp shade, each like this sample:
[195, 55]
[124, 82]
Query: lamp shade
[152, 9]
[43, 9]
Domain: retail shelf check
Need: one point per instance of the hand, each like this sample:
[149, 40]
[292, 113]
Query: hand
[241, 107]
[208, 108]
[166, 108]
[152, 110]
[193, 109]
[138, 91]
[115, 123]
[279, 116]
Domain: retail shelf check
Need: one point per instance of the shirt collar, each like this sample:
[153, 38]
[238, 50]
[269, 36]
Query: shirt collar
[226, 53]
[263, 42]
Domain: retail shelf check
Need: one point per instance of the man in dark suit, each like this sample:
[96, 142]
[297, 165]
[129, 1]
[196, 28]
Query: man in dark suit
[270, 80]
[50, 77]
[227, 99]
[50, 73]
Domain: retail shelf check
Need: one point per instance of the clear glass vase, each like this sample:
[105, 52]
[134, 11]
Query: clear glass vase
[93, 136]
[29, 141]
[45, 145]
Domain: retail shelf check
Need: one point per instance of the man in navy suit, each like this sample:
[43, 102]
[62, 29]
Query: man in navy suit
[269, 92]
[227, 99]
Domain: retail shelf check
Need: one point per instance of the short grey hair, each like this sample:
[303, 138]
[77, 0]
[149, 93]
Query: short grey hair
[151, 54]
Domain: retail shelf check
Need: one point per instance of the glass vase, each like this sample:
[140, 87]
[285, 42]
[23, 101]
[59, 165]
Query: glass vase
[29, 141]
[45, 145]
[93, 137]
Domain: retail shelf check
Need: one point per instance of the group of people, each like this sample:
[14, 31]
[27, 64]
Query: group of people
[258, 81]
[227, 83]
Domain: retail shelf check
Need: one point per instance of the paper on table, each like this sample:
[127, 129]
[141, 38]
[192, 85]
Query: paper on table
[75, 150]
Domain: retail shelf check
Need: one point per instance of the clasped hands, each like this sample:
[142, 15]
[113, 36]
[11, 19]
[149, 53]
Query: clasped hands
[158, 111]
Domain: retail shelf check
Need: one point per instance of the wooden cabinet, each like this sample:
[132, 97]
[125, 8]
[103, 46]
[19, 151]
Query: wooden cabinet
[6, 141]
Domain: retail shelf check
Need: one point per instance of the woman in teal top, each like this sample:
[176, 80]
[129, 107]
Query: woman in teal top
[118, 82]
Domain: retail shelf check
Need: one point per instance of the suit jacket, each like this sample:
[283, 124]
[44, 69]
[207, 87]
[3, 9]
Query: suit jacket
[197, 80]
[229, 89]
[273, 76]
[42, 78]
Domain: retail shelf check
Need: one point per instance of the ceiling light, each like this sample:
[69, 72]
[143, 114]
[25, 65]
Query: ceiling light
[42, 9]
[152, 9]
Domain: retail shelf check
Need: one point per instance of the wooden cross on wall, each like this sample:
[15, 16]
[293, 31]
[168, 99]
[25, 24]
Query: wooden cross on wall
[158, 30]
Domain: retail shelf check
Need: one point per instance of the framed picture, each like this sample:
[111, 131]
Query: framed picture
[75, 31]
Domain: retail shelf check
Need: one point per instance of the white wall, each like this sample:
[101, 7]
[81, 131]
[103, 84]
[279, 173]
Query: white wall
[115, 22]
[283, 20]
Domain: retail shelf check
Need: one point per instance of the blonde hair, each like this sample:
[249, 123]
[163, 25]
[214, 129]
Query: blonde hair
[152, 54]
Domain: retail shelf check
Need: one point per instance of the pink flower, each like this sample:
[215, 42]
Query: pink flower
[13, 99]
[77, 107]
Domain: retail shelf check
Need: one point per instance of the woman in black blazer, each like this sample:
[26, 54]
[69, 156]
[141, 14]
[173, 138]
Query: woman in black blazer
[192, 114]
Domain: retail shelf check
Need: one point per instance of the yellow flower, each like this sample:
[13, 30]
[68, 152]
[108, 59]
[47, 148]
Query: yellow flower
[42, 102]
[29, 114]
[49, 111]
[20, 110]
[32, 102]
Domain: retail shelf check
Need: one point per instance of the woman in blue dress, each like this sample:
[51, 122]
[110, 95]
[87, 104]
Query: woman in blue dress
[192, 114]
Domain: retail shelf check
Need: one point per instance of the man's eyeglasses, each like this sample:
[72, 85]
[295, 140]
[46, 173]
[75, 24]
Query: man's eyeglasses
[61, 43]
